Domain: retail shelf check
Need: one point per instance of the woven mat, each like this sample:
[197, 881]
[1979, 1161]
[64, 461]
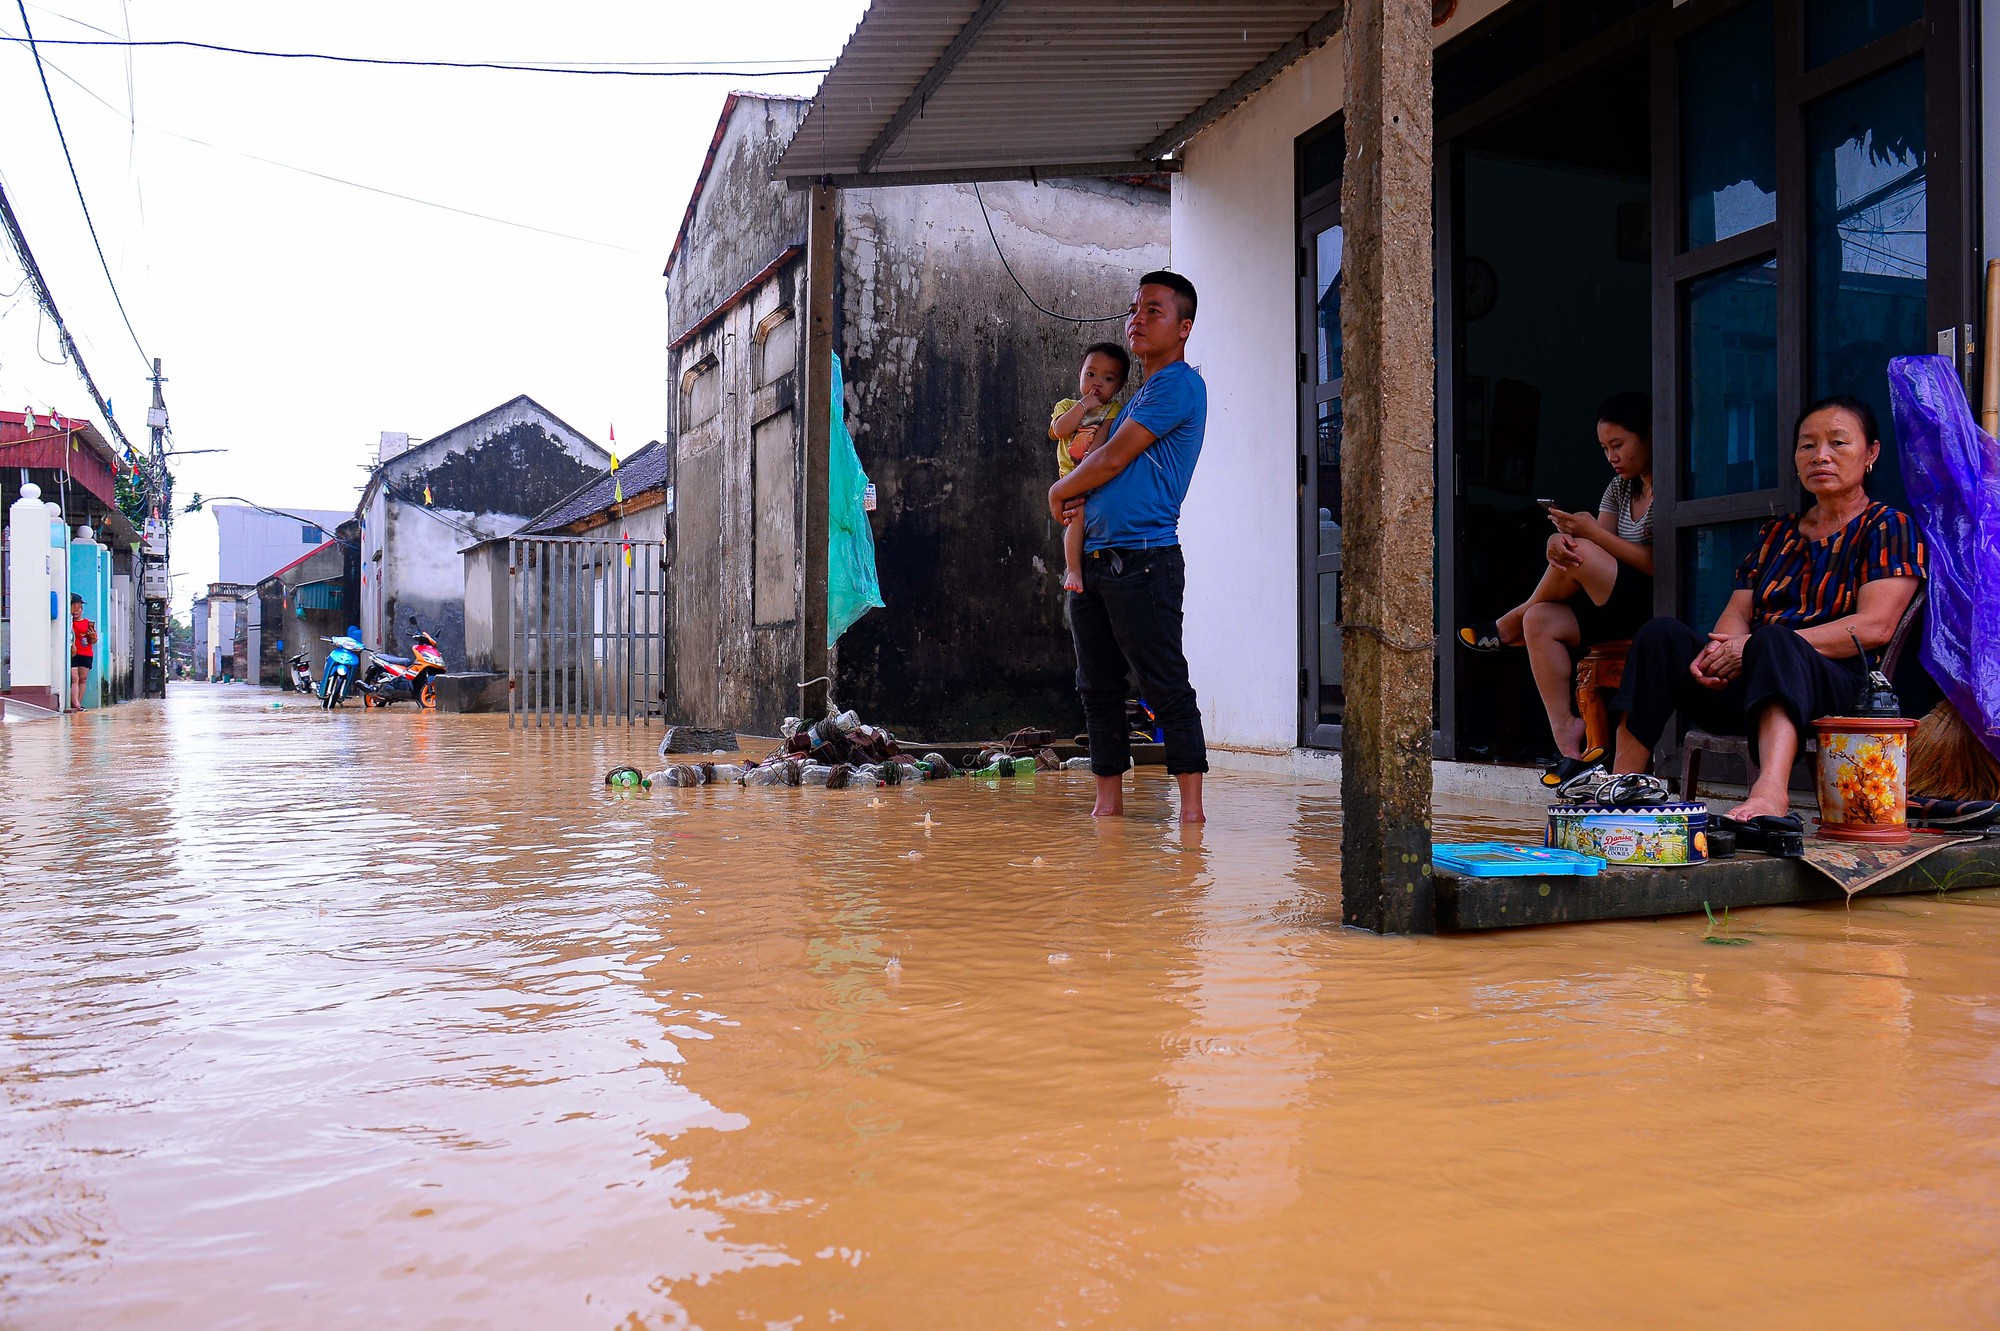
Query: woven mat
[1856, 865]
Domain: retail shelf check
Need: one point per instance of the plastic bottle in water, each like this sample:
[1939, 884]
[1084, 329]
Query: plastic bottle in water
[677, 775]
[627, 778]
[934, 767]
[725, 772]
[1004, 766]
[815, 774]
[1076, 764]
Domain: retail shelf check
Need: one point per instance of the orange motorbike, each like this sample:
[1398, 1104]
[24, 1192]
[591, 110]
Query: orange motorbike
[392, 679]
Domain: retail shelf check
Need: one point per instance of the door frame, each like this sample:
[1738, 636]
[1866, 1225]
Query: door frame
[1944, 37]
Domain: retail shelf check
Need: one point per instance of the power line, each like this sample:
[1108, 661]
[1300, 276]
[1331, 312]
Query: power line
[62, 138]
[12, 225]
[92, 93]
[683, 70]
[1066, 318]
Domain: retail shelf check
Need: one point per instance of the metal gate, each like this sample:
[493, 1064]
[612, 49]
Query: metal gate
[587, 629]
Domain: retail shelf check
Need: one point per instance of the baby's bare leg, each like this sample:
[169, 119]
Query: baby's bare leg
[1073, 555]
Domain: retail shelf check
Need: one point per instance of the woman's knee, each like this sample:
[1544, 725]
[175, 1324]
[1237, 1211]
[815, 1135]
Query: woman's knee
[1549, 620]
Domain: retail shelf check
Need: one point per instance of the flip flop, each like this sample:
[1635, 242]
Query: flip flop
[1484, 636]
[1784, 836]
[1562, 769]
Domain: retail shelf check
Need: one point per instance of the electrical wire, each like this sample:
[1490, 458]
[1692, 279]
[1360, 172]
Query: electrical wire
[103, 262]
[1066, 318]
[730, 69]
[95, 96]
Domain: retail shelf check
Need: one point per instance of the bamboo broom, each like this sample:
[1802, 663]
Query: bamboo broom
[1948, 762]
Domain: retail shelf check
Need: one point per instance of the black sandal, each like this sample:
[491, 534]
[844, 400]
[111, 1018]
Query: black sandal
[1562, 769]
[1484, 636]
[1770, 833]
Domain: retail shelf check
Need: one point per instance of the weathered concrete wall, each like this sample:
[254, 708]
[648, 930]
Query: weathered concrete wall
[732, 665]
[486, 478]
[950, 376]
[743, 219]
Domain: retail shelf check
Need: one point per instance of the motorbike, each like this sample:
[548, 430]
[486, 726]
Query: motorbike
[302, 675]
[341, 664]
[393, 679]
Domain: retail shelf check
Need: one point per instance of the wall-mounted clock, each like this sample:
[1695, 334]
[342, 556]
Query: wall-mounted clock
[1481, 290]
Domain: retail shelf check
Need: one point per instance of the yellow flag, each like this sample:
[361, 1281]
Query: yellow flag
[617, 492]
[427, 494]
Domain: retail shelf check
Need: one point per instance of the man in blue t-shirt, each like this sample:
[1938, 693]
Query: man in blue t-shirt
[1128, 493]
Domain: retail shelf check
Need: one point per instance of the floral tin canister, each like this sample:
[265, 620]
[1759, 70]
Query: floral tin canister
[1652, 834]
[1863, 777]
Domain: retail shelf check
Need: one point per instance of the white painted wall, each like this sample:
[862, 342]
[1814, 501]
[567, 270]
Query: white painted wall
[1235, 232]
[252, 544]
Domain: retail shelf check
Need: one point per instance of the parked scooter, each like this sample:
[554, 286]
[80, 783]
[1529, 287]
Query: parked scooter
[342, 665]
[393, 679]
[302, 675]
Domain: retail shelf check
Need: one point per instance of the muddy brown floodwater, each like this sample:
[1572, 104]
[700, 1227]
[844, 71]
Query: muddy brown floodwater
[374, 1020]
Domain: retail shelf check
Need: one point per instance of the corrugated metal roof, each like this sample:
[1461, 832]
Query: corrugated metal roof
[1039, 83]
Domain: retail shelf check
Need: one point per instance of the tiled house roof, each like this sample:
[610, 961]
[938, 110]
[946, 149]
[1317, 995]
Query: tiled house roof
[646, 470]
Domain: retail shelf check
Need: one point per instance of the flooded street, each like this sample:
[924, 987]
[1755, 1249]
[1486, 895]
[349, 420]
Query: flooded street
[382, 1019]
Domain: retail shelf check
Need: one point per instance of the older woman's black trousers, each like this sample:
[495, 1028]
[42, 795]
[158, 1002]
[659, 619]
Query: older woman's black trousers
[1778, 665]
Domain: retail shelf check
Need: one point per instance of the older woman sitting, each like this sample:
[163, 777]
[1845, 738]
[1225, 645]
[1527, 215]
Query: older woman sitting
[1781, 655]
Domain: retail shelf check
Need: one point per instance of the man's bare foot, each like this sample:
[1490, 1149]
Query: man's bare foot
[1569, 738]
[1191, 810]
[1072, 581]
[1110, 798]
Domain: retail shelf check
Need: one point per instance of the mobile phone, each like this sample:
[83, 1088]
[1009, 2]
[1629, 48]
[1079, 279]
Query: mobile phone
[1545, 504]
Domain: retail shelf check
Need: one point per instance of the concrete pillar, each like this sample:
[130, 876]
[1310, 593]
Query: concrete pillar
[28, 576]
[1388, 639]
[59, 603]
[88, 562]
[821, 256]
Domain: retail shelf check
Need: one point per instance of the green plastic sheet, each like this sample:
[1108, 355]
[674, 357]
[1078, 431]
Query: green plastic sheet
[851, 586]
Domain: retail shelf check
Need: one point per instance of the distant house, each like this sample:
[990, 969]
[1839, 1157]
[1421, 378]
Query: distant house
[252, 543]
[304, 603]
[950, 373]
[226, 632]
[633, 503]
[426, 503]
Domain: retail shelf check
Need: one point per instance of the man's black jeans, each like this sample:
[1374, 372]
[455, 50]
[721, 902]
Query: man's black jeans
[1126, 619]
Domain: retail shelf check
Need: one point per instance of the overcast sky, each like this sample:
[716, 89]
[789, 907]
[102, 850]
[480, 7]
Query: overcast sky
[298, 318]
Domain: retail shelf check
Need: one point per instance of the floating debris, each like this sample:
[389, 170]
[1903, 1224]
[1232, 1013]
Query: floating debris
[628, 778]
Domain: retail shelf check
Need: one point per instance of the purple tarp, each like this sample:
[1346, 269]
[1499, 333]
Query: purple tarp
[1951, 469]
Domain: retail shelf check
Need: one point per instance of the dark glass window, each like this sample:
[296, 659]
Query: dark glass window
[1709, 556]
[1327, 315]
[1489, 58]
[1729, 381]
[1729, 155]
[1835, 27]
[1327, 434]
[1869, 267]
[311, 535]
[1321, 159]
[1587, 18]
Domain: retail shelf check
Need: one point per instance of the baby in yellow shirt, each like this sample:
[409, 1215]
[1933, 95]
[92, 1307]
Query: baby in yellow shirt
[1077, 424]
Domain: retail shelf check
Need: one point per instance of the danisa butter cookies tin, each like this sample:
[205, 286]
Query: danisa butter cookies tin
[1652, 834]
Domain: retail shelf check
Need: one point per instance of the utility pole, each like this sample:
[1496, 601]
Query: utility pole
[153, 571]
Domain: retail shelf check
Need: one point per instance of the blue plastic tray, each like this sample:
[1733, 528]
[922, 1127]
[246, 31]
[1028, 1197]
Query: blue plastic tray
[1496, 859]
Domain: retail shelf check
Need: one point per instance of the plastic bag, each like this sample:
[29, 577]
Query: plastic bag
[1951, 469]
[851, 588]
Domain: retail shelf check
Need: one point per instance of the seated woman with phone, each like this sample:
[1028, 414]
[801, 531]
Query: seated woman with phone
[1599, 583]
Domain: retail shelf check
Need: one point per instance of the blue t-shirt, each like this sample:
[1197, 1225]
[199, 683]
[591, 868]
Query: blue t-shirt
[1140, 507]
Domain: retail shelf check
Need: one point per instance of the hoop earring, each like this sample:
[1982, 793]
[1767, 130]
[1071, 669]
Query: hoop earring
[1871, 469]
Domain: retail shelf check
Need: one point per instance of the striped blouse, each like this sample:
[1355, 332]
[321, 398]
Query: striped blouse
[1798, 582]
[1617, 501]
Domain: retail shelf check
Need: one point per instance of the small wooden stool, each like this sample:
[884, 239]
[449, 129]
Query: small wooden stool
[1598, 676]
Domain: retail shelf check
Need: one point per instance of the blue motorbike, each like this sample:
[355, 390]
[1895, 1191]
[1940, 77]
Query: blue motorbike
[342, 664]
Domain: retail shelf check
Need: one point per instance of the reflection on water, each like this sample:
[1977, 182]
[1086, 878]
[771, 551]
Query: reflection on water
[383, 1019]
